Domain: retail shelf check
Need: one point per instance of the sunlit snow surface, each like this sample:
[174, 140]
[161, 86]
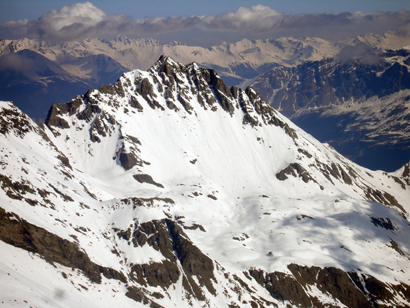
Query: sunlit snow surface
[220, 173]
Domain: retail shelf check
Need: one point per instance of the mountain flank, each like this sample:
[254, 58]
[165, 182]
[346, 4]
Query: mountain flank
[169, 188]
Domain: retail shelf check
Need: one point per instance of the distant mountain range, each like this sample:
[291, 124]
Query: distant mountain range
[360, 105]
[74, 67]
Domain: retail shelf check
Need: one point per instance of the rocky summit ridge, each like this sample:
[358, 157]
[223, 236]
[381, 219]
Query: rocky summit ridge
[170, 189]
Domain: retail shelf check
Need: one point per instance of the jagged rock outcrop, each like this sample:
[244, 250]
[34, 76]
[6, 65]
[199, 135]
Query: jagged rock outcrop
[349, 289]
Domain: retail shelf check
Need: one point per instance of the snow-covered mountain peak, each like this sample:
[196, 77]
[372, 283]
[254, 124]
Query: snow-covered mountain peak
[170, 188]
[189, 100]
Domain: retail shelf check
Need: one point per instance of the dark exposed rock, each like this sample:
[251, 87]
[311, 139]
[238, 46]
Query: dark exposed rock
[289, 131]
[194, 227]
[304, 152]
[396, 247]
[297, 171]
[148, 202]
[400, 182]
[221, 91]
[346, 178]
[129, 160]
[135, 104]
[70, 108]
[303, 216]
[156, 274]
[64, 160]
[333, 281]
[113, 274]
[167, 237]
[146, 89]
[15, 189]
[406, 173]
[171, 105]
[116, 88]
[193, 261]
[382, 197]
[53, 118]
[12, 120]
[88, 113]
[379, 292]
[98, 128]
[138, 295]
[351, 289]
[247, 119]
[282, 287]
[22, 234]
[145, 178]
[107, 89]
[62, 195]
[133, 139]
[119, 89]
[334, 171]
[234, 92]
[184, 102]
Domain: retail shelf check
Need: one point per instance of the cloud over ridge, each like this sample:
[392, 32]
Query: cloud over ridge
[84, 20]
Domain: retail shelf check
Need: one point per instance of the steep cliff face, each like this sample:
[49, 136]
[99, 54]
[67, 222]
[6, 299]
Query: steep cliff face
[363, 104]
[169, 188]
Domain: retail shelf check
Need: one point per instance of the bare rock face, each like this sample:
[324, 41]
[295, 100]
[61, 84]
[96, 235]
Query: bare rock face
[193, 260]
[129, 160]
[167, 237]
[295, 170]
[56, 111]
[113, 89]
[406, 173]
[351, 289]
[22, 234]
[145, 178]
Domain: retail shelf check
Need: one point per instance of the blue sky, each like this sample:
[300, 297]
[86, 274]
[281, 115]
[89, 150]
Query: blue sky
[200, 22]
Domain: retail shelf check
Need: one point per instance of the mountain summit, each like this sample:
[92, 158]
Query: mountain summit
[170, 189]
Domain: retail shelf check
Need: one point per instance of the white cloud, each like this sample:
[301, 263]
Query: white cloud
[257, 18]
[79, 13]
[84, 20]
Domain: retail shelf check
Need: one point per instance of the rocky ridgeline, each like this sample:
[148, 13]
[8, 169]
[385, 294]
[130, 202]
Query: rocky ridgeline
[185, 88]
[180, 87]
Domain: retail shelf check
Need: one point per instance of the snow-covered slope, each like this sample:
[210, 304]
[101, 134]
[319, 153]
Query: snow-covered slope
[169, 189]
